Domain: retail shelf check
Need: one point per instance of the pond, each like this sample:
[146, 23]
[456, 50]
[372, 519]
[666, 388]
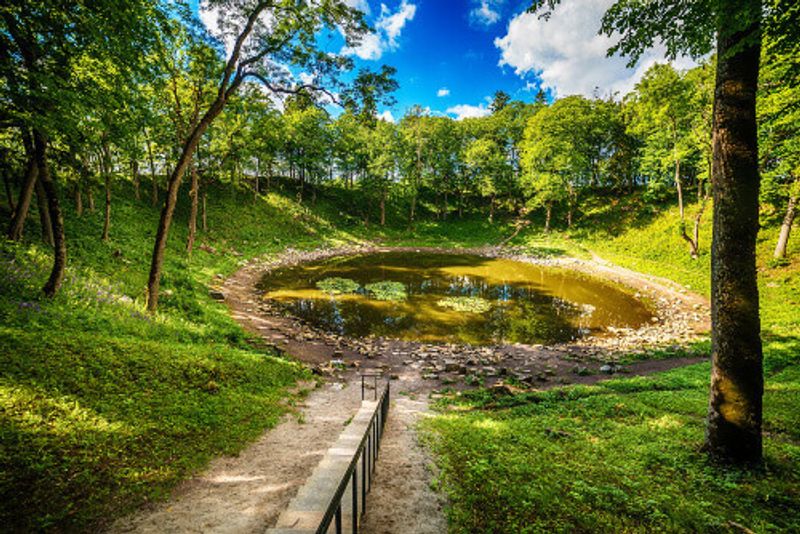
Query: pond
[460, 298]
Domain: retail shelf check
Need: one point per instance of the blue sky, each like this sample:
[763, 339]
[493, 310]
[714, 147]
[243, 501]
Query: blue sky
[452, 55]
[446, 58]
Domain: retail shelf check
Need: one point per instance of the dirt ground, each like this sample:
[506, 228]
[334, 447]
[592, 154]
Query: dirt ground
[246, 493]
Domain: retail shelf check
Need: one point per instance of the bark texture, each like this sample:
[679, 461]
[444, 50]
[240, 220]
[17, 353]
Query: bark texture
[17, 225]
[53, 283]
[786, 228]
[44, 214]
[733, 432]
[193, 194]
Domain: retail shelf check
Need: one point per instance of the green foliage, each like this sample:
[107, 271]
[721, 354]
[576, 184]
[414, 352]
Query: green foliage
[387, 290]
[338, 286]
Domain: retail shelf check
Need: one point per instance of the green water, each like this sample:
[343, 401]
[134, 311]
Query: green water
[506, 301]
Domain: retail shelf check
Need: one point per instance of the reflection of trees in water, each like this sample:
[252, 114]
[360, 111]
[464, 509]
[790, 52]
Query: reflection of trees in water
[525, 312]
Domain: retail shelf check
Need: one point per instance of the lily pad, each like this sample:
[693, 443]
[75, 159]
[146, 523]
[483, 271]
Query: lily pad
[338, 286]
[387, 290]
[466, 304]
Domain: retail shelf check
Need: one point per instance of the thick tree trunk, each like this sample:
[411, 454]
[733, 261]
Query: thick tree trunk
[162, 233]
[383, 208]
[194, 195]
[786, 228]
[44, 215]
[53, 283]
[733, 432]
[491, 210]
[17, 225]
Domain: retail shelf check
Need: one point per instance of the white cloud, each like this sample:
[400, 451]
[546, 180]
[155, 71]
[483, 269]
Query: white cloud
[567, 53]
[486, 12]
[388, 28]
[444, 91]
[387, 116]
[361, 5]
[466, 111]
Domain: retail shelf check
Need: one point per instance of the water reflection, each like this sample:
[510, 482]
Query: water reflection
[529, 303]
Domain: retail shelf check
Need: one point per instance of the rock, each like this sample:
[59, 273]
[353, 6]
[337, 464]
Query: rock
[216, 294]
[451, 366]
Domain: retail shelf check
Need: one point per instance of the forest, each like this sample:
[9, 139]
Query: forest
[145, 161]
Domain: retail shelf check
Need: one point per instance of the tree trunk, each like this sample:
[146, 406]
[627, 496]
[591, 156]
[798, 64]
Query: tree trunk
[547, 217]
[205, 220]
[106, 168]
[107, 218]
[679, 187]
[786, 228]
[193, 194]
[78, 200]
[44, 215]
[412, 211]
[53, 283]
[135, 174]
[154, 192]
[733, 432]
[383, 208]
[491, 210]
[160, 245]
[9, 192]
[694, 241]
[90, 197]
[25, 196]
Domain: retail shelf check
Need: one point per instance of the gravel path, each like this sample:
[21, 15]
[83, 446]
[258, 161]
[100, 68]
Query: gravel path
[402, 499]
[246, 493]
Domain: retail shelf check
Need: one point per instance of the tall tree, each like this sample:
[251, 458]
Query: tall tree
[262, 37]
[733, 431]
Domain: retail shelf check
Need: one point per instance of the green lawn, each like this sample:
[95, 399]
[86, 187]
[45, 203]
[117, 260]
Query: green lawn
[625, 455]
[103, 407]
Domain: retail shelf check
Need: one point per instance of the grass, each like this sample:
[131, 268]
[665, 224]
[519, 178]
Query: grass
[624, 455]
[104, 407]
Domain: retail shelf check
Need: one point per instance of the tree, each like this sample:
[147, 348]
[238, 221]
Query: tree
[733, 431]
[261, 35]
[44, 40]
[664, 115]
[779, 130]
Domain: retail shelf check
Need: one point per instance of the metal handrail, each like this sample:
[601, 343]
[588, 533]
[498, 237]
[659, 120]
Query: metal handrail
[367, 453]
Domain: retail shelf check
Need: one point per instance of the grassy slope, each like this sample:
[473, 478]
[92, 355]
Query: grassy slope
[102, 406]
[625, 455]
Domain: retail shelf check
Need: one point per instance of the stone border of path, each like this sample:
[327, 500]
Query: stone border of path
[326, 495]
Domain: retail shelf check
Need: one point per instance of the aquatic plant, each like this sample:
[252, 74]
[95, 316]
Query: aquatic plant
[387, 290]
[338, 286]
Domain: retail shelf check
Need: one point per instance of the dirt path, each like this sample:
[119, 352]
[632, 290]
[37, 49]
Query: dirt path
[246, 493]
[402, 499]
